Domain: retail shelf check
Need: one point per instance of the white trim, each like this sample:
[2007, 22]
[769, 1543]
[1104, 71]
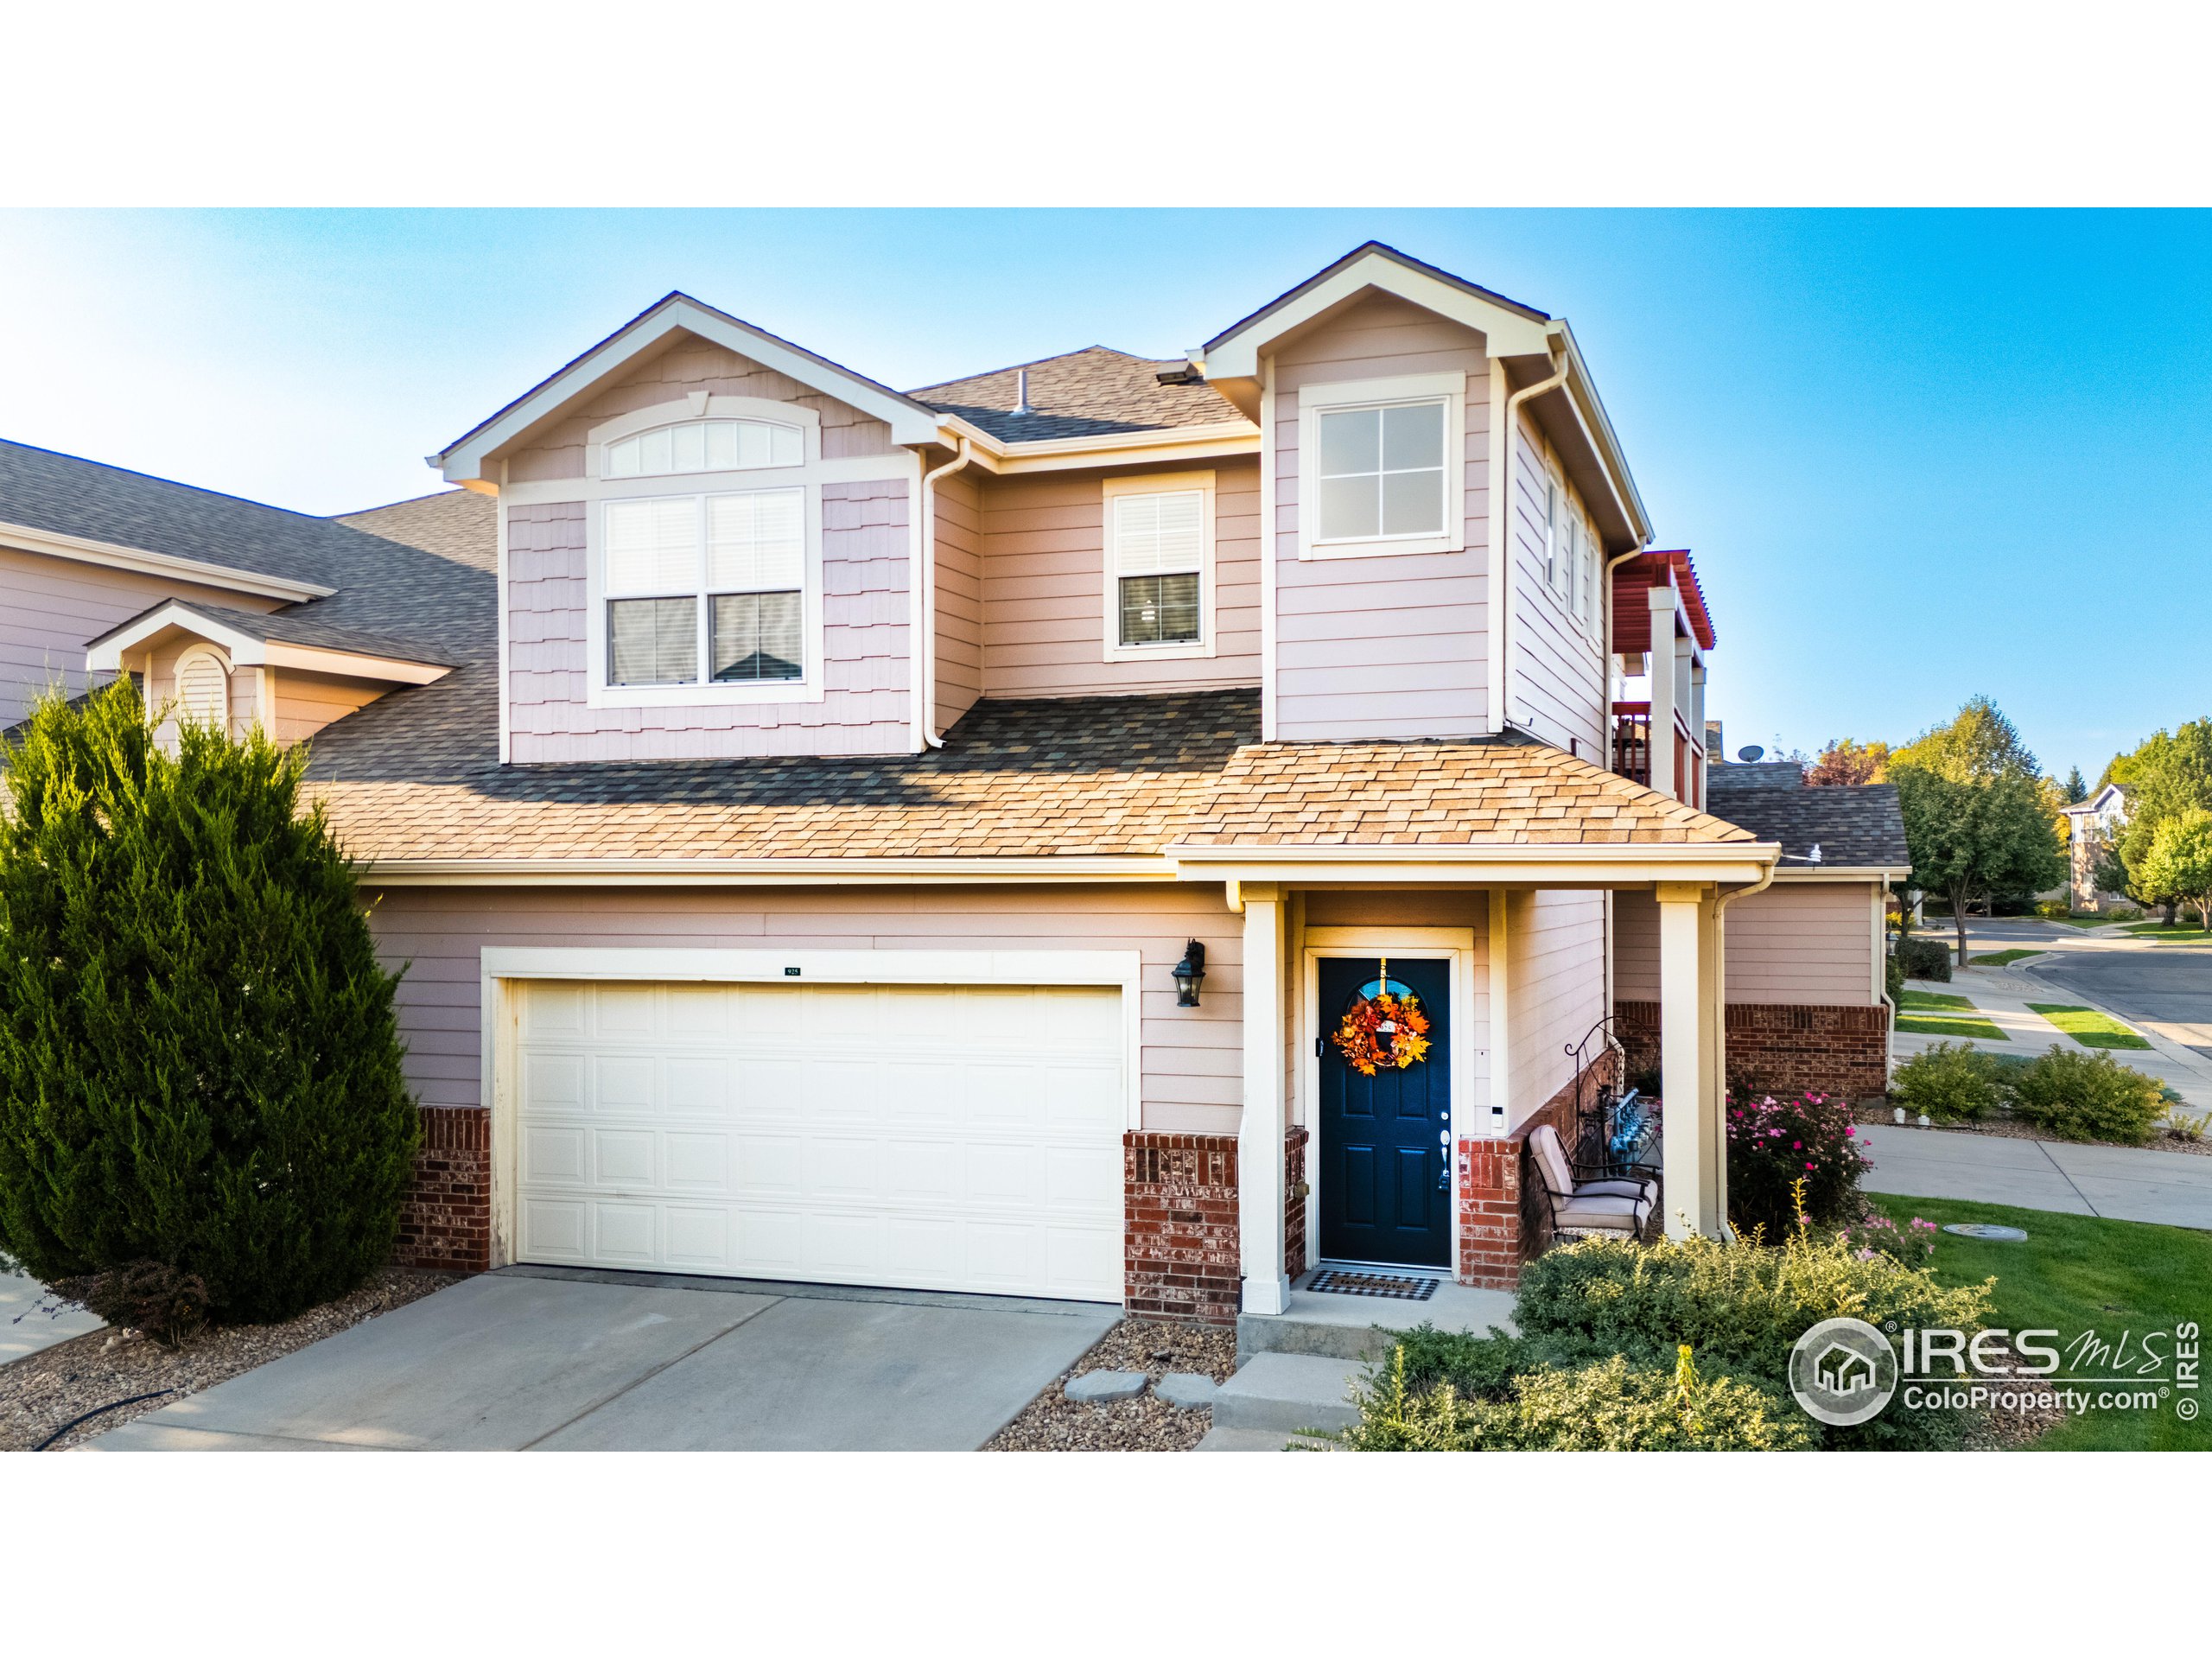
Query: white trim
[504, 692]
[104, 654]
[1315, 399]
[1498, 532]
[190, 655]
[890, 466]
[1565, 865]
[1112, 489]
[1455, 946]
[1269, 516]
[500, 966]
[701, 406]
[758, 871]
[1214, 439]
[115, 557]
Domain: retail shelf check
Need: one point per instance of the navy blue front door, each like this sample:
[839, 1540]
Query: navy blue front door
[1386, 1168]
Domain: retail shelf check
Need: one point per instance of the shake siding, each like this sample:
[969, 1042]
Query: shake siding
[50, 607]
[1557, 972]
[1191, 1061]
[1391, 646]
[865, 708]
[1804, 943]
[959, 596]
[1045, 585]
[1558, 677]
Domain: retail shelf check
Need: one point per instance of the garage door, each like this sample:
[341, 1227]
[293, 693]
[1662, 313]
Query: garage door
[942, 1138]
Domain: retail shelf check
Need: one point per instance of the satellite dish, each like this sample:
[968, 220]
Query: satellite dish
[1750, 752]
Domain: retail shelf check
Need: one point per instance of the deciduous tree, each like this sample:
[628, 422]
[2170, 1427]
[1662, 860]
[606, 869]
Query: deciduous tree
[1845, 761]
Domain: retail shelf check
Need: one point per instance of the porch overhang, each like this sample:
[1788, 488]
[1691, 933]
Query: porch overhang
[1482, 864]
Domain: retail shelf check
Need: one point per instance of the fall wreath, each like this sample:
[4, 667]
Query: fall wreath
[1384, 1031]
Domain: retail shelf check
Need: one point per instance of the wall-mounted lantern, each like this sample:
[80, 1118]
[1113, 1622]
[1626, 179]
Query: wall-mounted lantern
[1190, 974]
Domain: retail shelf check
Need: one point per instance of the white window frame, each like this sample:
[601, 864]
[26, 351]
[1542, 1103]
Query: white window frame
[193, 653]
[1159, 484]
[1593, 569]
[1314, 400]
[600, 491]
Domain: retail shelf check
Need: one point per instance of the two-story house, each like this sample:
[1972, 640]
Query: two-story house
[1106, 829]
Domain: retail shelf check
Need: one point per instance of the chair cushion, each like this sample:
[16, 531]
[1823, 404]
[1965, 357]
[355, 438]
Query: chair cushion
[1551, 1160]
[1605, 1211]
[1615, 1189]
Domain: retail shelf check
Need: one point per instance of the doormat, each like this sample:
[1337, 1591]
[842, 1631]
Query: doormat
[1401, 1287]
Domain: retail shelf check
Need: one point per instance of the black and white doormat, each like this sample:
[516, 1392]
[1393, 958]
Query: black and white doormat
[1401, 1287]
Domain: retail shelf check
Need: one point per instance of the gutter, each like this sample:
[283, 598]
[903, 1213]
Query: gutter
[924, 653]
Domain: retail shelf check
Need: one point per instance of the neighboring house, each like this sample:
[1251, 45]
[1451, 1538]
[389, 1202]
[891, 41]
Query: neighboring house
[2092, 828]
[931, 838]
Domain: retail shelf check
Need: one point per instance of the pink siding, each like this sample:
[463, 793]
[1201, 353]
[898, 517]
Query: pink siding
[308, 703]
[1559, 677]
[958, 520]
[1046, 583]
[865, 709]
[1555, 943]
[691, 364]
[1807, 943]
[1192, 1065]
[50, 607]
[1393, 645]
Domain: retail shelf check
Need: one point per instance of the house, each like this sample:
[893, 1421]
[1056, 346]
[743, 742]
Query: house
[2092, 826]
[952, 838]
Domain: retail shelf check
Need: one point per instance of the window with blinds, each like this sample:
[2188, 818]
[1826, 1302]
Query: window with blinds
[1158, 556]
[705, 588]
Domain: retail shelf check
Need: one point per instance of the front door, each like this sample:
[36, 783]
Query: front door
[1386, 1140]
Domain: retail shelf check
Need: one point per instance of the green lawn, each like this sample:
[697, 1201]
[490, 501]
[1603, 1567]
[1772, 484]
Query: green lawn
[2080, 921]
[1934, 1000]
[2003, 958]
[2088, 1028]
[2079, 1272]
[1938, 1013]
[2159, 933]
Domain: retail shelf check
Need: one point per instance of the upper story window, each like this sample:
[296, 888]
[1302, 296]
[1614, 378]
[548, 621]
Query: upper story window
[1160, 566]
[1383, 463]
[705, 447]
[706, 589]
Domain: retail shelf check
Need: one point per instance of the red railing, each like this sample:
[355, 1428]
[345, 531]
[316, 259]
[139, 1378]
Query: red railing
[1632, 741]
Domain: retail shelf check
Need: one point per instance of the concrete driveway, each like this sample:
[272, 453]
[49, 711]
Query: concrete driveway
[545, 1358]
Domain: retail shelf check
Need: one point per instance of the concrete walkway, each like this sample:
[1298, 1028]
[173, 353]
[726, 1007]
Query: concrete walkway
[2122, 1183]
[25, 1327]
[540, 1358]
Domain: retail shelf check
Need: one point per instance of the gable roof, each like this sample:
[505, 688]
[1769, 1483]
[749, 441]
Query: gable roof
[247, 634]
[1288, 300]
[1088, 393]
[1856, 826]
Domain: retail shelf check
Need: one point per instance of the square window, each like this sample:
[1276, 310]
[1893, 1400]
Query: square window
[1160, 610]
[1381, 472]
[757, 637]
[652, 641]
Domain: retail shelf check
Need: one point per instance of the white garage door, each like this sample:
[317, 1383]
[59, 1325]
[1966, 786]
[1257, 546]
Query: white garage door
[942, 1138]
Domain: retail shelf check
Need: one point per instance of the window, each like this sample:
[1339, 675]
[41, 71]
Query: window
[705, 588]
[1158, 566]
[1382, 464]
[1592, 572]
[706, 447]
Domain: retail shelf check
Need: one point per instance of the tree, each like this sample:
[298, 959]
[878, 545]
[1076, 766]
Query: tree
[1847, 762]
[200, 1068]
[1976, 817]
[2179, 861]
[2165, 776]
[2075, 790]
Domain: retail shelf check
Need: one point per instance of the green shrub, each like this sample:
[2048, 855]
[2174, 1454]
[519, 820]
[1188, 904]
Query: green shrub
[1875, 1234]
[200, 1068]
[1475, 1368]
[1893, 976]
[1924, 958]
[2053, 910]
[1608, 1406]
[2079, 1096]
[1950, 1082]
[1776, 1143]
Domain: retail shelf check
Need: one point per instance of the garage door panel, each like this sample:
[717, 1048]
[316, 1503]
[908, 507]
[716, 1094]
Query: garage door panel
[943, 1138]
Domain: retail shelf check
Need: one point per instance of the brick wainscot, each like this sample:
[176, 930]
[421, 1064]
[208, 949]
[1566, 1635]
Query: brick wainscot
[446, 1224]
[1502, 1220]
[1181, 1248]
[1810, 1048]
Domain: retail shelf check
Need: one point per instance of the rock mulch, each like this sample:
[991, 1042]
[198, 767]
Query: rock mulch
[43, 1391]
[2035, 1411]
[1052, 1423]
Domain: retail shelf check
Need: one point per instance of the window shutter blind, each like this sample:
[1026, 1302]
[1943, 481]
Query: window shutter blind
[1155, 534]
[757, 540]
[652, 547]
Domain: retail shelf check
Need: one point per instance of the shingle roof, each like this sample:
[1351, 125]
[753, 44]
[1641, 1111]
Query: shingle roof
[1439, 794]
[457, 524]
[1080, 394]
[304, 624]
[1854, 825]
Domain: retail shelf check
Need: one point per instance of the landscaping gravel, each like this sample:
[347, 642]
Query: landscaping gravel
[1052, 1423]
[40, 1393]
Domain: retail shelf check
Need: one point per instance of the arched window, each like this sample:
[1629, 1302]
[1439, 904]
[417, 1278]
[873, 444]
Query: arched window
[203, 688]
[706, 447]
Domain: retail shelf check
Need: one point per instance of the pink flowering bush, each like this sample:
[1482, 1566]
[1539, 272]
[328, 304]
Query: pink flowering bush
[1775, 1141]
[1875, 1234]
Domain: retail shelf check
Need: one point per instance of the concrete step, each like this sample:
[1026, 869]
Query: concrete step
[1288, 1392]
[1278, 1333]
[1257, 1439]
[1359, 1327]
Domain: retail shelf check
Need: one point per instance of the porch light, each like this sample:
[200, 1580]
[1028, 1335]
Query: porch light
[1190, 974]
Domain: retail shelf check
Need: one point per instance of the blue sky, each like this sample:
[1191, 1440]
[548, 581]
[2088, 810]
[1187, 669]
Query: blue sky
[1918, 455]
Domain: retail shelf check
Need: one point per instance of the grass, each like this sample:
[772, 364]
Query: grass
[1935, 1013]
[1910, 998]
[2077, 1273]
[2159, 933]
[2003, 958]
[2079, 921]
[2088, 1028]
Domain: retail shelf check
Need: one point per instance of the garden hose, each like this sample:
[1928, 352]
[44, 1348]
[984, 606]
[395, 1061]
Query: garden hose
[115, 1405]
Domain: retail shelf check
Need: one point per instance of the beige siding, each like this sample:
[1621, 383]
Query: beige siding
[1559, 676]
[1456, 907]
[1193, 1067]
[1045, 585]
[308, 703]
[1556, 946]
[50, 608]
[1393, 645]
[958, 519]
[1807, 943]
[688, 365]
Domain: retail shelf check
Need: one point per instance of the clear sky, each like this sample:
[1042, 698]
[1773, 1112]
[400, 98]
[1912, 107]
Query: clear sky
[1917, 454]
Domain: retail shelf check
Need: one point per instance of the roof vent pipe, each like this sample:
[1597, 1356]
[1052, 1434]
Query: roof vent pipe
[1021, 392]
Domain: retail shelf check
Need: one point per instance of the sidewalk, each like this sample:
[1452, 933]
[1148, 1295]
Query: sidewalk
[34, 1330]
[2121, 1183]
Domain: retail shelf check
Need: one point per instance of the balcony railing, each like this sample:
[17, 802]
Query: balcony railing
[1632, 741]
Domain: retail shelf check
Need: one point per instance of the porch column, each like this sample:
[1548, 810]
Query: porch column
[1662, 597]
[1260, 1136]
[1689, 1062]
[1700, 760]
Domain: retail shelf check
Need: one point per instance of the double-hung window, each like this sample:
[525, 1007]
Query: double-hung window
[706, 589]
[1159, 559]
[1383, 466]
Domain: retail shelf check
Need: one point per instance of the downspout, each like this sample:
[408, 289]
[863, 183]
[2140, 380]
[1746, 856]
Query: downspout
[925, 651]
[1504, 518]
